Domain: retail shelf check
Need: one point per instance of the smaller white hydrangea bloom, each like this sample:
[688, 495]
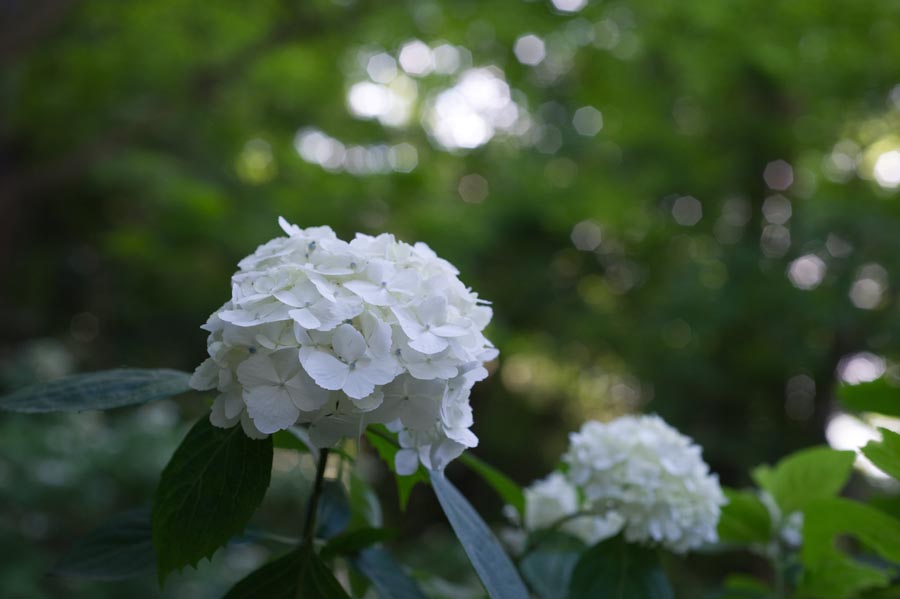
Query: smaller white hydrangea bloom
[554, 501]
[649, 474]
[339, 335]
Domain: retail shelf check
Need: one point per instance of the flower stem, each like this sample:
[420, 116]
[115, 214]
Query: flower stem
[309, 528]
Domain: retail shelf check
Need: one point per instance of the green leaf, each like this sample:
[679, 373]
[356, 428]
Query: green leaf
[740, 586]
[548, 568]
[828, 573]
[119, 549]
[286, 439]
[875, 396]
[387, 449]
[493, 566]
[807, 475]
[885, 454]
[207, 493]
[333, 514]
[365, 509]
[508, 490]
[352, 542]
[97, 391]
[386, 575]
[300, 573]
[744, 518]
[615, 569]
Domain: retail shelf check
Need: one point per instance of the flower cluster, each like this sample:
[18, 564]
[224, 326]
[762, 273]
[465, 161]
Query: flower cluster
[339, 335]
[636, 474]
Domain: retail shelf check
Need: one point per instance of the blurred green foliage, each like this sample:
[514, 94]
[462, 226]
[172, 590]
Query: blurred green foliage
[656, 258]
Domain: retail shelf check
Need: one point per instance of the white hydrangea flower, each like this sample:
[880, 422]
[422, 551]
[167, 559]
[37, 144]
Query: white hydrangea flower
[340, 335]
[651, 476]
[554, 502]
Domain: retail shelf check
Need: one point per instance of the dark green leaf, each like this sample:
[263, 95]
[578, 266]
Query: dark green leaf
[386, 575]
[829, 574]
[744, 519]
[354, 541]
[885, 454]
[807, 475]
[299, 574]
[508, 490]
[334, 510]
[493, 566]
[548, 568]
[286, 439]
[739, 586]
[615, 569]
[875, 396]
[387, 449]
[119, 549]
[207, 493]
[97, 391]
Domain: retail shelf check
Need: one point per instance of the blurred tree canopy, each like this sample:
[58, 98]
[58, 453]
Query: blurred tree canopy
[686, 208]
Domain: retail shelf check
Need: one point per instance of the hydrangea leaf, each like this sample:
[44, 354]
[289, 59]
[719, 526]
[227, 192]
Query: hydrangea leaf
[744, 518]
[805, 476]
[548, 568]
[388, 449]
[828, 573]
[386, 575]
[874, 396]
[102, 390]
[119, 549]
[352, 542]
[496, 570]
[508, 490]
[615, 569]
[300, 573]
[885, 454]
[334, 510]
[207, 493]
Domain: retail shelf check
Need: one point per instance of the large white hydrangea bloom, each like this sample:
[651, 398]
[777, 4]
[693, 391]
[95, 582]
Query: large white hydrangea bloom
[637, 475]
[339, 335]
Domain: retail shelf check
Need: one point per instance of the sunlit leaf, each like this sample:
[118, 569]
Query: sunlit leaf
[874, 396]
[387, 449]
[744, 518]
[830, 574]
[886, 453]
[807, 475]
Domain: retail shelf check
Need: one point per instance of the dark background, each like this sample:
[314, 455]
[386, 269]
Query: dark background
[711, 253]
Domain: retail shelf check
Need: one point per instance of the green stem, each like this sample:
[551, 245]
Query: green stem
[309, 527]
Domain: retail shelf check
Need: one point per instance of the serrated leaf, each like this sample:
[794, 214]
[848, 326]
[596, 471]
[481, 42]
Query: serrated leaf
[508, 490]
[886, 453]
[548, 568]
[806, 476]
[207, 493]
[300, 573]
[874, 396]
[828, 573]
[744, 519]
[615, 569]
[494, 568]
[119, 549]
[352, 542]
[386, 575]
[387, 449]
[102, 390]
